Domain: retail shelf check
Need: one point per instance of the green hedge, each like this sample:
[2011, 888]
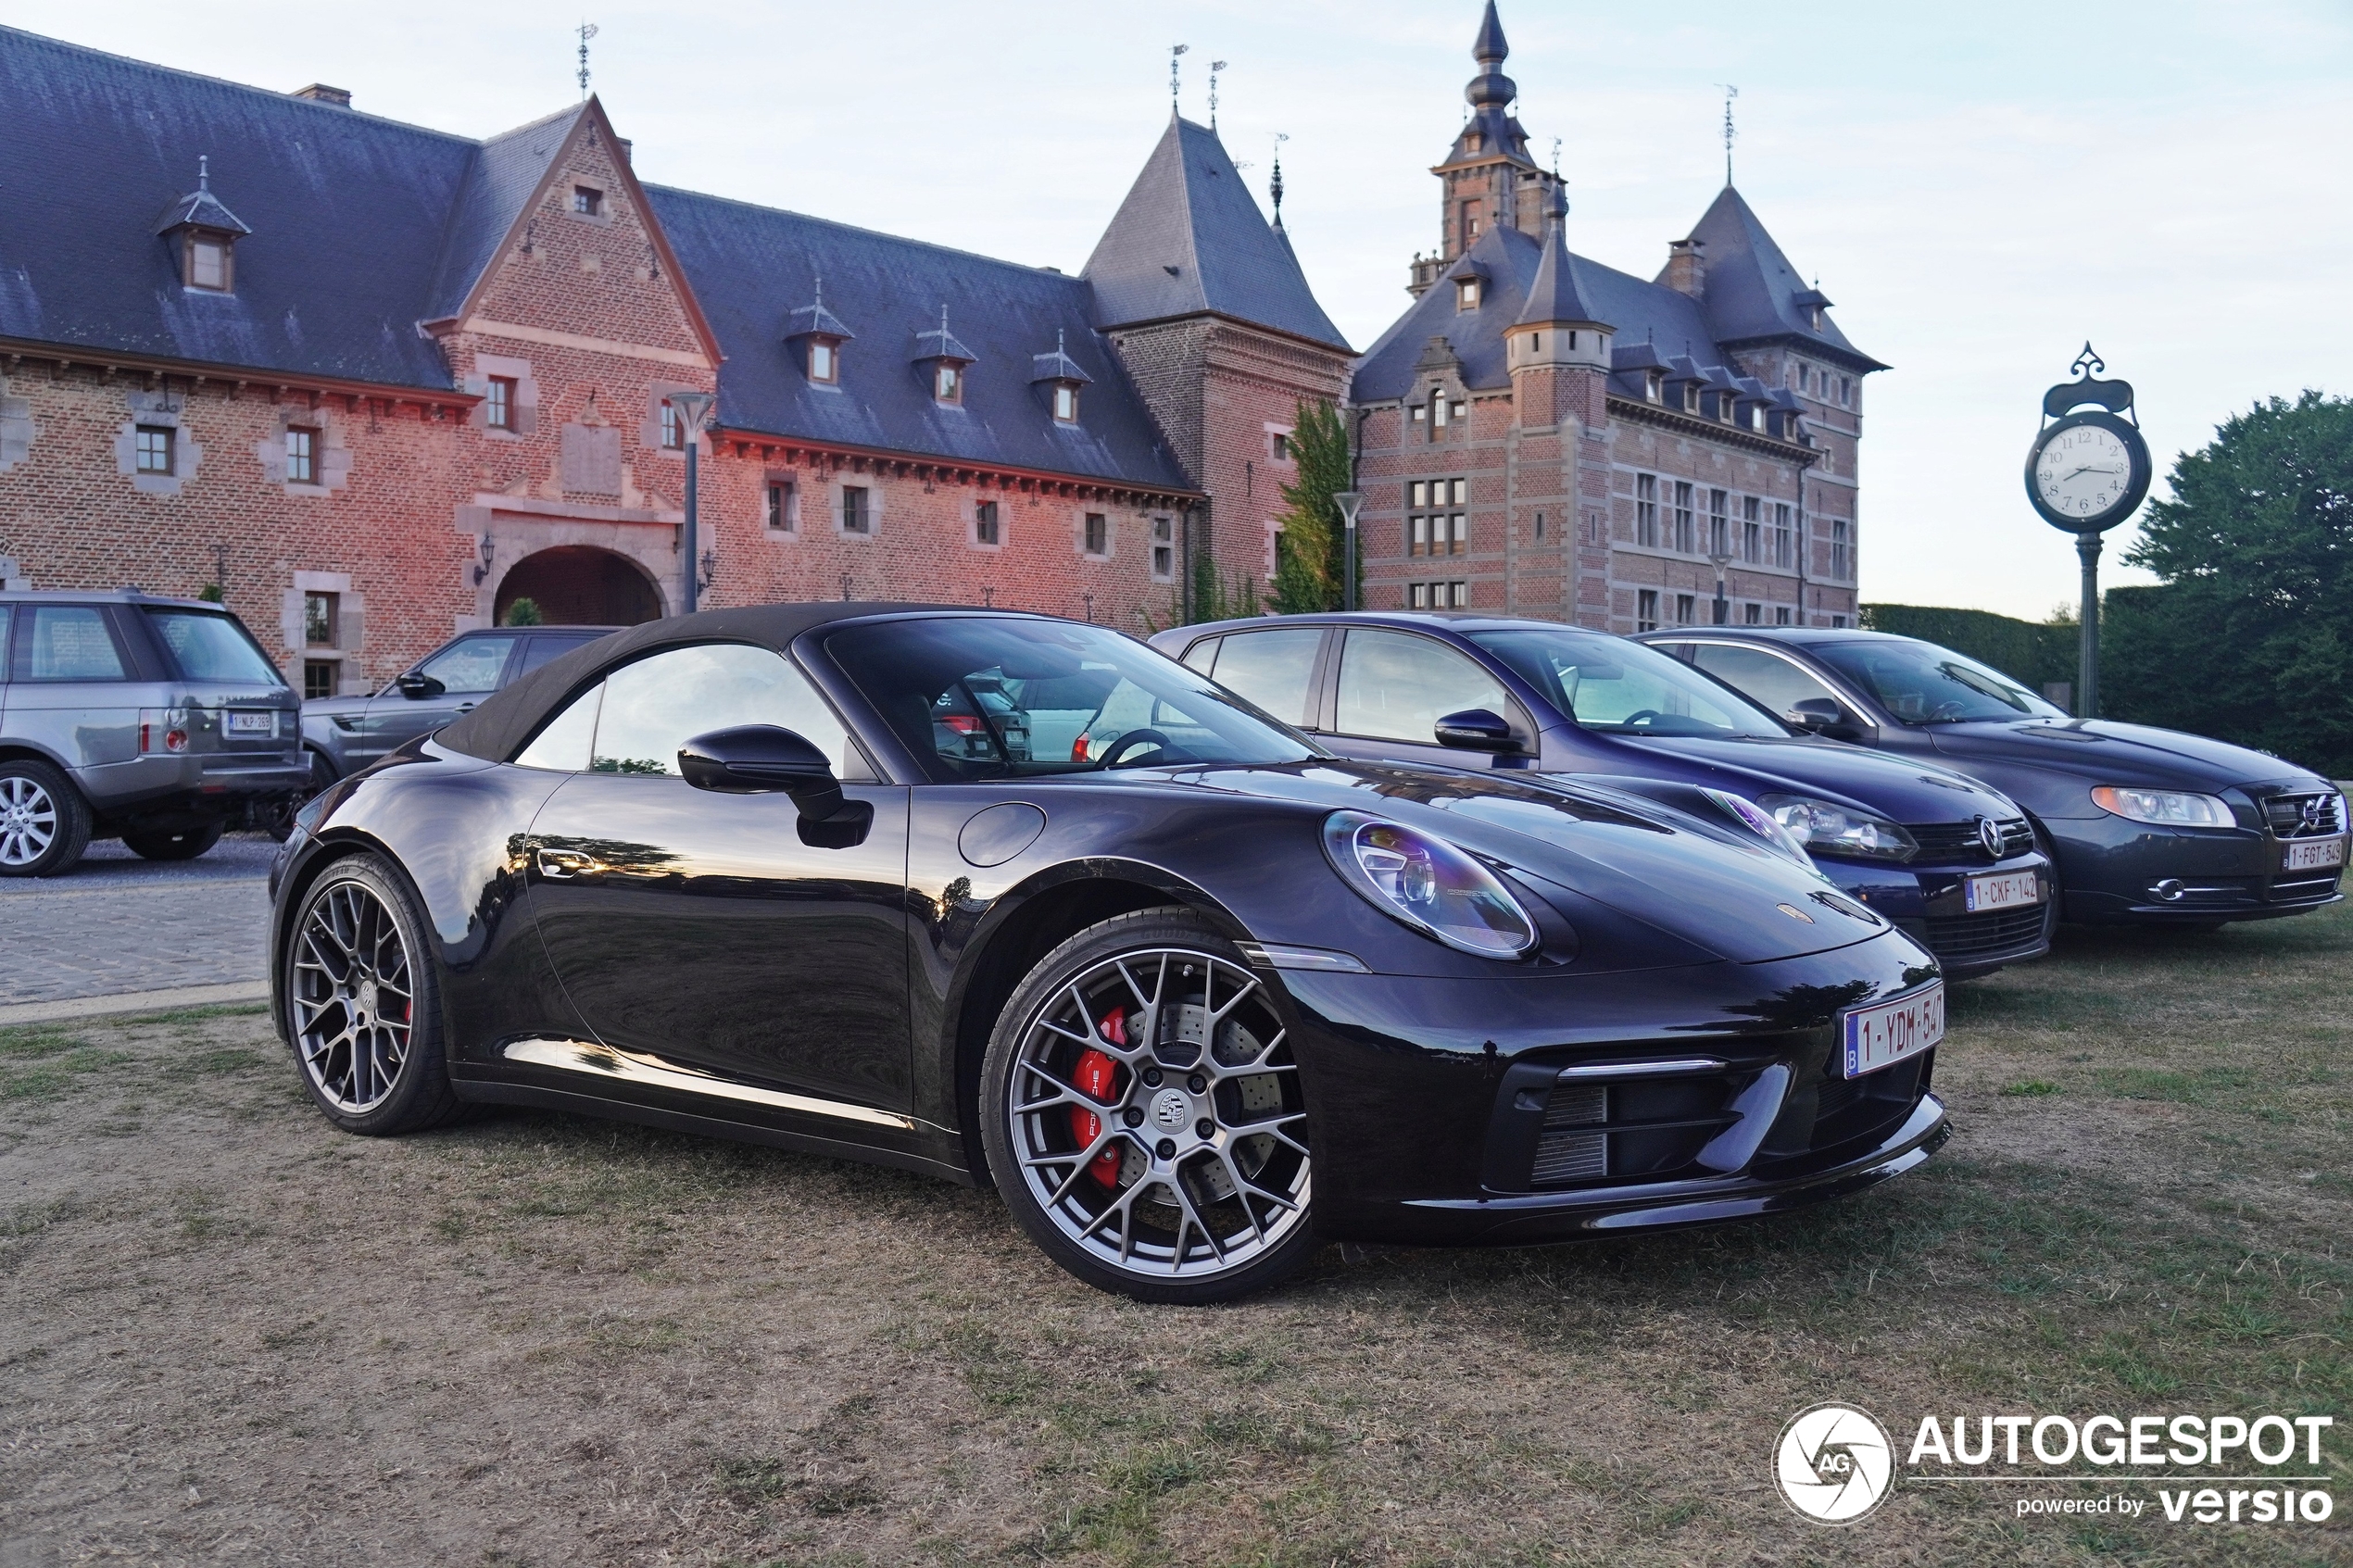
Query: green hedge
[2029, 651]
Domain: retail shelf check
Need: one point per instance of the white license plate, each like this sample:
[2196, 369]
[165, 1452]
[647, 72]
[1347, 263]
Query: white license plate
[1877, 1036]
[2312, 855]
[253, 724]
[2003, 890]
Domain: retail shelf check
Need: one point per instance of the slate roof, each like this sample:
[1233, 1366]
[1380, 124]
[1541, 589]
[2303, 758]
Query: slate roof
[505, 172]
[1752, 292]
[752, 266]
[348, 214]
[1557, 293]
[1638, 311]
[1190, 239]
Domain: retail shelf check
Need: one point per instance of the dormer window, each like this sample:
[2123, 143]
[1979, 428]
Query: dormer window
[943, 362]
[1066, 403]
[1061, 377]
[1691, 397]
[820, 335]
[1466, 295]
[587, 201]
[824, 361]
[203, 233]
[1655, 385]
[1755, 417]
[947, 383]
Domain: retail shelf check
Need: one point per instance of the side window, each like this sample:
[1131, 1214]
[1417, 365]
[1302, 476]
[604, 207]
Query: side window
[471, 666]
[5, 611]
[1202, 655]
[1766, 678]
[562, 743]
[68, 643]
[657, 705]
[1395, 685]
[1271, 669]
[539, 650]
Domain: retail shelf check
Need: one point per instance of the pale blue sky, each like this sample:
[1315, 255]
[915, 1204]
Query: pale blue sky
[1979, 188]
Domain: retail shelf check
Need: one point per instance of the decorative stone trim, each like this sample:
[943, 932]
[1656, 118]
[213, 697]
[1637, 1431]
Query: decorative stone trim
[330, 459]
[17, 430]
[155, 409]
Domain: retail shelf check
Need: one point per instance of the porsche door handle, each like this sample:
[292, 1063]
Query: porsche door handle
[564, 864]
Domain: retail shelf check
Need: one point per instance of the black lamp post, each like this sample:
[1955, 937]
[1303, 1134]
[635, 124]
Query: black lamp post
[693, 409]
[1722, 557]
[1349, 503]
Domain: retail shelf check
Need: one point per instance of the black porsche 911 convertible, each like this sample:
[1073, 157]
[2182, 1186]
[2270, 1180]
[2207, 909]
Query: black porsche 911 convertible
[1191, 1004]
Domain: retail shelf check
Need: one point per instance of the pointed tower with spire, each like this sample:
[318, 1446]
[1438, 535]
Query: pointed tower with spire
[1488, 179]
[1557, 348]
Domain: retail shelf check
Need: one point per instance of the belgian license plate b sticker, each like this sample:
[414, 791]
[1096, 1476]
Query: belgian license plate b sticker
[2003, 890]
[1878, 1037]
[253, 724]
[2313, 855]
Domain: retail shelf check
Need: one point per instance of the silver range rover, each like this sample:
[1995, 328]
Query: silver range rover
[158, 722]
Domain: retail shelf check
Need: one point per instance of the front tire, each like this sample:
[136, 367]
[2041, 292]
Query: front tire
[363, 1003]
[185, 845]
[44, 824]
[1144, 1115]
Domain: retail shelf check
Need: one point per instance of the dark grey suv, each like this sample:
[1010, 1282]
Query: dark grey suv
[159, 721]
[343, 734]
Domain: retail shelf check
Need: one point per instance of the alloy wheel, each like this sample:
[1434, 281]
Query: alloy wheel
[353, 997]
[28, 820]
[1156, 1115]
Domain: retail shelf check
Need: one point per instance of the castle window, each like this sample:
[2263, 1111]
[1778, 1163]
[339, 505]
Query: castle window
[1756, 615]
[587, 201]
[947, 383]
[985, 526]
[824, 361]
[1781, 555]
[1418, 413]
[1459, 489]
[322, 620]
[1417, 535]
[1457, 535]
[783, 512]
[302, 456]
[1283, 447]
[1720, 525]
[1691, 397]
[1066, 402]
[1646, 609]
[1417, 493]
[1437, 409]
[1756, 416]
[1654, 385]
[207, 262]
[1164, 549]
[498, 408]
[1466, 295]
[1845, 392]
[1684, 607]
[673, 431]
[1752, 529]
[856, 517]
[1097, 542]
[1841, 551]
[319, 676]
[1646, 510]
[1417, 596]
[1459, 595]
[1471, 223]
[1454, 411]
[1684, 539]
[1781, 615]
[154, 449]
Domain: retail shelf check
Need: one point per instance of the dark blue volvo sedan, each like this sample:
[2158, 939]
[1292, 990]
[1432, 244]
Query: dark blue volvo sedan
[1949, 860]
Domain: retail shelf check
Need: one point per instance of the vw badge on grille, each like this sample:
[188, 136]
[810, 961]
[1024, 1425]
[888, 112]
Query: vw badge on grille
[1989, 833]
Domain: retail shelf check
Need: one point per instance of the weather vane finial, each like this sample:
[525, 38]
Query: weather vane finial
[1215, 67]
[1274, 187]
[586, 29]
[1730, 93]
[1174, 51]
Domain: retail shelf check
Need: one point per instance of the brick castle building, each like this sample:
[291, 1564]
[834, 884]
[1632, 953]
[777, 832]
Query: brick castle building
[377, 383]
[1543, 436]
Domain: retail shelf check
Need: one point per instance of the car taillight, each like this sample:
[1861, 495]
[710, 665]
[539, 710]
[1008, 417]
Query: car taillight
[964, 724]
[1078, 749]
[162, 729]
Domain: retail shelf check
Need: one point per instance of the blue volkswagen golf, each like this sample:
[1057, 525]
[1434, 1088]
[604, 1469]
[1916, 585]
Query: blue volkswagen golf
[1946, 858]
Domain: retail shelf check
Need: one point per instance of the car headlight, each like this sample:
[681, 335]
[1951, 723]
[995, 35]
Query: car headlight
[1429, 884]
[1763, 824]
[2166, 808]
[1839, 829]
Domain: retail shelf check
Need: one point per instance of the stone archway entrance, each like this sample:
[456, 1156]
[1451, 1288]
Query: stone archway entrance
[579, 586]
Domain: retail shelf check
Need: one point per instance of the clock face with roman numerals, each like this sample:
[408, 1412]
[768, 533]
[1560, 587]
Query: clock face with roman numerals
[2087, 472]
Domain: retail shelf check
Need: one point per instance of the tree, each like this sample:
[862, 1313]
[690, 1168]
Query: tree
[2250, 638]
[1309, 572]
[523, 612]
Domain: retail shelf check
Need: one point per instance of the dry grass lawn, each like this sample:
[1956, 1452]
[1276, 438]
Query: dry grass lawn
[231, 1334]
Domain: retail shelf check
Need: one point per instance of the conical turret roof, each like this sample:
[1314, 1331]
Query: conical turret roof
[1555, 296]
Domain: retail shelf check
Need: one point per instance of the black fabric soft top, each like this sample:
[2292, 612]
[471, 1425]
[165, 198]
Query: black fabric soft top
[497, 727]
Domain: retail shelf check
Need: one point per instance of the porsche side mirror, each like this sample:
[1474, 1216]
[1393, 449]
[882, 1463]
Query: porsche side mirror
[1822, 716]
[416, 685]
[1475, 729]
[768, 759]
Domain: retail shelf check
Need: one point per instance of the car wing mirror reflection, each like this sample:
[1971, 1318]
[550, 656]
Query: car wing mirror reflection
[1822, 716]
[767, 760]
[417, 685]
[1476, 729]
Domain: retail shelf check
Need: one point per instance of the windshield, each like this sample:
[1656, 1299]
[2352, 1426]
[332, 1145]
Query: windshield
[1922, 684]
[1616, 687]
[979, 698]
[209, 647]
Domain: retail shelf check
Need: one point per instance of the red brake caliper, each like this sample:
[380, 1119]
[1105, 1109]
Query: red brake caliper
[1097, 1074]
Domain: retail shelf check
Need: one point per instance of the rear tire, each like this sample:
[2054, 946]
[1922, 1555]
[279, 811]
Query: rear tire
[1143, 1116]
[185, 845]
[44, 824]
[363, 1003]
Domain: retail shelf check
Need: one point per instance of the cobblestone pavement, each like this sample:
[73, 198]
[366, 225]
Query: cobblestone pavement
[116, 923]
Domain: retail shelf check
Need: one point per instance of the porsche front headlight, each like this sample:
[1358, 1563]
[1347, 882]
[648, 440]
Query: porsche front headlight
[1763, 824]
[1429, 884]
[1826, 829]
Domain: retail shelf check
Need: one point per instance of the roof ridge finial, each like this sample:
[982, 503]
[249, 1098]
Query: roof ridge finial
[1215, 67]
[1174, 51]
[1490, 48]
[203, 171]
[586, 31]
[1275, 186]
[1058, 340]
[1730, 93]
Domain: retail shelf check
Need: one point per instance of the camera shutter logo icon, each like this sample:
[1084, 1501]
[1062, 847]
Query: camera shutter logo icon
[1834, 1463]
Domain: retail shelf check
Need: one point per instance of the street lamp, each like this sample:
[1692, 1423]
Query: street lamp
[693, 409]
[1349, 502]
[1722, 557]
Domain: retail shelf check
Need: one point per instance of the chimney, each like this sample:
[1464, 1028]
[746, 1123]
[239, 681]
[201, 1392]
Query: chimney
[319, 93]
[1687, 267]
